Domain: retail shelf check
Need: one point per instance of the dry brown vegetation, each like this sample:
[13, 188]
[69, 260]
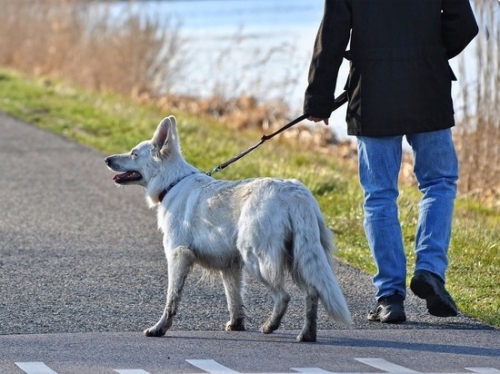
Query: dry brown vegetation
[88, 45]
[478, 130]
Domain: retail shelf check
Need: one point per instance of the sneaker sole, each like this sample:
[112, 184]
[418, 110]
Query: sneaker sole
[393, 320]
[436, 305]
[388, 321]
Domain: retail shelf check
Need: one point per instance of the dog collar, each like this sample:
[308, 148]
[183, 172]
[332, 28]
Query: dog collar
[163, 193]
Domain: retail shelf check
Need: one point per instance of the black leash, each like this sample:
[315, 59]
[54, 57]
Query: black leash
[339, 101]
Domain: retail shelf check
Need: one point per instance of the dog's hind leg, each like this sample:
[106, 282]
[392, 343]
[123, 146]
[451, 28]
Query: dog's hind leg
[180, 262]
[308, 333]
[281, 299]
[273, 279]
[232, 279]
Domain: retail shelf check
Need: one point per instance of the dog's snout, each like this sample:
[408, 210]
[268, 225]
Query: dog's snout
[107, 160]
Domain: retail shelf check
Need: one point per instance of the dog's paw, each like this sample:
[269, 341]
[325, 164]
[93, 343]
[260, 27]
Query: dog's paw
[154, 332]
[306, 337]
[268, 327]
[238, 326]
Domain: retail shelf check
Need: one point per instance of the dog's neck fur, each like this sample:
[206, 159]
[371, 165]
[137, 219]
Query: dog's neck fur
[163, 193]
[171, 169]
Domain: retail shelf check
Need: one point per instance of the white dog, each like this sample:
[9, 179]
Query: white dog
[266, 226]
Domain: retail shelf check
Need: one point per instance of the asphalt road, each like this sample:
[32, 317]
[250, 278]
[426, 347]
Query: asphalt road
[79, 255]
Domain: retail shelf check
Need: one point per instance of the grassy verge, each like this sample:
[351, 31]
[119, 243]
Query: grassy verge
[114, 124]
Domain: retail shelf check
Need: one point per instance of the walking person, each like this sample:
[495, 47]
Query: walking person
[399, 85]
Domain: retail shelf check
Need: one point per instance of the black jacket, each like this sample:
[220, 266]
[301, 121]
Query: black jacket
[399, 80]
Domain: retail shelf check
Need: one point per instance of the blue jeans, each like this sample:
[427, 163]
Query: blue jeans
[436, 170]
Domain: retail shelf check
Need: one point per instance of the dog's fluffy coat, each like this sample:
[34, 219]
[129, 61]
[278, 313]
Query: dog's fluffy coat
[267, 226]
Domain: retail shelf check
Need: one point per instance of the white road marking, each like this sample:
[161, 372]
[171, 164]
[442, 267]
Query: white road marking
[35, 368]
[211, 366]
[384, 365]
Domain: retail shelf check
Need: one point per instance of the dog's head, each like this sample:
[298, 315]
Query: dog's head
[144, 162]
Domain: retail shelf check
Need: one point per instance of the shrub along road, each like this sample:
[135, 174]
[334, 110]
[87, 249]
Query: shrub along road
[80, 256]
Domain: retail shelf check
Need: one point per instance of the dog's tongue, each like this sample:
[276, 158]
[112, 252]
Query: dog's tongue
[127, 176]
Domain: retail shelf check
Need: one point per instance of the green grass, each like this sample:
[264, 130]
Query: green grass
[114, 124]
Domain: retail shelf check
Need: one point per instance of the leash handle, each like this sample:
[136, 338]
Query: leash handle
[338, 102]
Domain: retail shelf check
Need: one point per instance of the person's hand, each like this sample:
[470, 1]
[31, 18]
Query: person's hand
[316, 119]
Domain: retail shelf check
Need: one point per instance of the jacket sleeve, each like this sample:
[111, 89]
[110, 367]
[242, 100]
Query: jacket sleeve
[458, 26]
[329, 48]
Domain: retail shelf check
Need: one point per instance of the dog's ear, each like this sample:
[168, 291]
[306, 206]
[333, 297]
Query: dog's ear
[162, 136]
[165, 138]
[173, 121]
[162, 132]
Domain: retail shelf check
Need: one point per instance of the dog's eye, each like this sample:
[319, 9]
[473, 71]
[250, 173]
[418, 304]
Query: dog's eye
[133, 154]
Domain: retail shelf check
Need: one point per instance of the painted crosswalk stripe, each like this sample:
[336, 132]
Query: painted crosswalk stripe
[35, 368]
[211, 366]
[384, 365]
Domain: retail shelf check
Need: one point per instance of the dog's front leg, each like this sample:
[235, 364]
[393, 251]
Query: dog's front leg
[180, 262]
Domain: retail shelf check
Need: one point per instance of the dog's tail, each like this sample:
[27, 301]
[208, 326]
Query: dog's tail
[313, 262]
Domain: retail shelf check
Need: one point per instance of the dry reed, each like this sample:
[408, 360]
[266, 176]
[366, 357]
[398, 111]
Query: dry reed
[478, 132]
[82, 41]
[87, 43]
